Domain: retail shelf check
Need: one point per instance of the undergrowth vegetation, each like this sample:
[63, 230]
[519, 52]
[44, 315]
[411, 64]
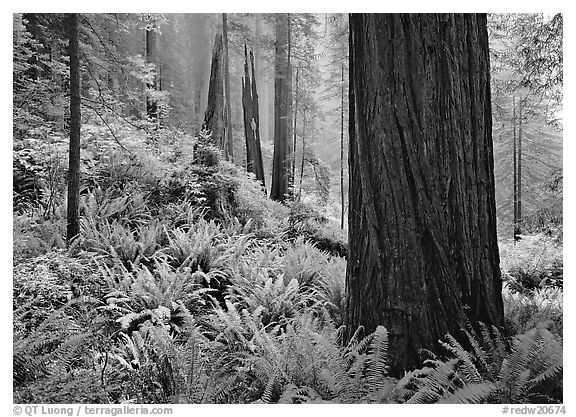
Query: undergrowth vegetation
[187, 285]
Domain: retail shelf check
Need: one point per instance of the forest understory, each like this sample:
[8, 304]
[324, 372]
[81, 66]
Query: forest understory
[186, 283]
[189, 285]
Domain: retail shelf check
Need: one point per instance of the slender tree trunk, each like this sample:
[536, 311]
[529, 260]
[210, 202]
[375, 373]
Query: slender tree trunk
[422, 216]
[282, 160]
[251, 120]
[203, 84]
[519, 183]
[342, 150]
[516, 231]
[303, 153]
[32, 26]
[289, 99]
[73, 215]
[259, 77]
[294, 129]
[151, 57]
[228, 144]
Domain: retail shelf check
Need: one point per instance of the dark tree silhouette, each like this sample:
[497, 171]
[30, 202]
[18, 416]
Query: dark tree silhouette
[282, 161]
[152, 57]
[423, 249]
[73, 214]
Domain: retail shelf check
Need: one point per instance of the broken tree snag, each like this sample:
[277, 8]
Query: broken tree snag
[214, 115]
[251, 120]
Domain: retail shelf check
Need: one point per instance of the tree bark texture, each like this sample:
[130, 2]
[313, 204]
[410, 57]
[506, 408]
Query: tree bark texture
[342, 150]
[422, 216]
[519, 179]
[282, 160]
[73, 211]
[252, 120]
[515, 160]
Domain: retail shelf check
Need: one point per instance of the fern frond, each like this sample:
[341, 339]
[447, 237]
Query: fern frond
[470, 394]
[377, 360]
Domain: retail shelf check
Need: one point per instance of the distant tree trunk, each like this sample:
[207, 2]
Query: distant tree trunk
[252, 120]
[289, 99]
[228, 145]
[35, 71]
[259, 76]
[202, 83]
[214, 115]
[57, 108]
[303, 153]
[294, 129]
[282, 160]
[73, 215]
[516, 231]
[151, 57]
[342, 150]
[519, 180]
[423, 253]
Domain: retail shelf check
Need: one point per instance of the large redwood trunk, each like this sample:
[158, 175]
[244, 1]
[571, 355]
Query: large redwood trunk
[422, 220]
[282, 161]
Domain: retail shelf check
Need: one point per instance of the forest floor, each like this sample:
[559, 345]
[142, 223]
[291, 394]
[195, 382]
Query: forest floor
[188, 285]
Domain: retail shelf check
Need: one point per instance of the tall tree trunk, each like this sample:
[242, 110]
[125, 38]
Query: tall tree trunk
[422, 220]
[36, 70]
[282, 160]
[294, 129]
[252, 120]
[289, 99]
[516, 231]
[73, 214]
[519, 183]
[303, 153]
[342, 150]
[203, 76]
[151, 57]
[214, 115]
[228, 145]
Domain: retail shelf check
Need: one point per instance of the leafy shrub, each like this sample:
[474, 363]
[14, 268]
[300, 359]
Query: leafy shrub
[308, 223]
[532, 262]
[45, 284]
[523, 311]
[34, 236]
[27, 176]
[78, 386]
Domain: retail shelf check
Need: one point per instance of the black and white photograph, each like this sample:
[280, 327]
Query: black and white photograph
[287, 208]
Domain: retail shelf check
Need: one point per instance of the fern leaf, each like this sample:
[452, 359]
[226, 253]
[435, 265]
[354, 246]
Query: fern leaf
[470, 394]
